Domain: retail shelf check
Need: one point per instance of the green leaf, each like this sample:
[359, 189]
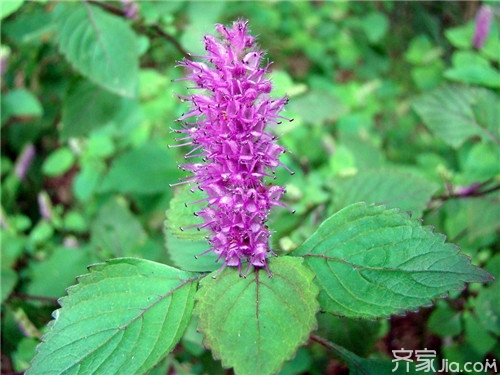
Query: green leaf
[428, 76]
[123, 316]
[9, 281]
[24, 353]
[41, 232]
[487, 307]
[461, 37]
[371, 262]
[20, 103]
[422, 51]
[385, 186]
[12, 248]
[202, 16]
[99, 146]
[357, 336]
[480, 340]
[87, 181]
[445, 321]
[283, 84]
[116, 230]
[256, 323]
[9, 7]
[29, 27]
[88, 107]
[101, 46]
[479, 217]
[375, 26]
[144, 170]
[326, 107]
[50, 277]
[474, 75]
[184, 246]
[58, 162]
[454, 113]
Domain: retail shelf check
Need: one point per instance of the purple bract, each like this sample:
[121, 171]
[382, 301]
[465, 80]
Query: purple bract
[226, 126]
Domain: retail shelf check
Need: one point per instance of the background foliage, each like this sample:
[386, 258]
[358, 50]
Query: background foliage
[391, 102]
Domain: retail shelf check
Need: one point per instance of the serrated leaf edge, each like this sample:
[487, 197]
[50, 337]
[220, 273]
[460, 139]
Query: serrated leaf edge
[426, 228]
[80, 280]
[301, 342]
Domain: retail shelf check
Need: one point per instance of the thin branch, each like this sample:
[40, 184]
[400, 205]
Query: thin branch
[159, 31]
[473, 191]
[24, 296]
[108, 7]
[155, 27]
[340, 352]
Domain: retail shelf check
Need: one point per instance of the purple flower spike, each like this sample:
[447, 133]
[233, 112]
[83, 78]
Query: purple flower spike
[24, 161]
[227, 128]
[483, 24]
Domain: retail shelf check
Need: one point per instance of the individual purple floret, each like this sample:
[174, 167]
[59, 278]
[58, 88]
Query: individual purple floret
[130, 8]
[226, 126]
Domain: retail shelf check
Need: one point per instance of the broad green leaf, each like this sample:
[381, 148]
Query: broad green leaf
[185, 245]
[477, 337]
[51, 277]
[421, 51]
[9, 281]
[12, 247]
[487, 304]
[392, 188]
[124, 316]
[474, 75]
[88, 179]
[428, 76]
[375, 26]
[42, 232]
[20, 103]
[153, 11]
[74, 221]
[256, 323]
[481, 162]
[283, 84]
[300, 364]
[24, 353]
[152, 83]
[116, 230]
[29, 28]
[445, 321]
[58, 162]
[326, 107]
[479, 216]
[461, 37]
[144, 170]
[203, 16]
[99, 146]
[371, 262]
[101, 46]
[8, 7]
[457, 113]
[88, 107]
[357, 336]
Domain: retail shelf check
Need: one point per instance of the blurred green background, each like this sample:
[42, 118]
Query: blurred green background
[85, 163]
